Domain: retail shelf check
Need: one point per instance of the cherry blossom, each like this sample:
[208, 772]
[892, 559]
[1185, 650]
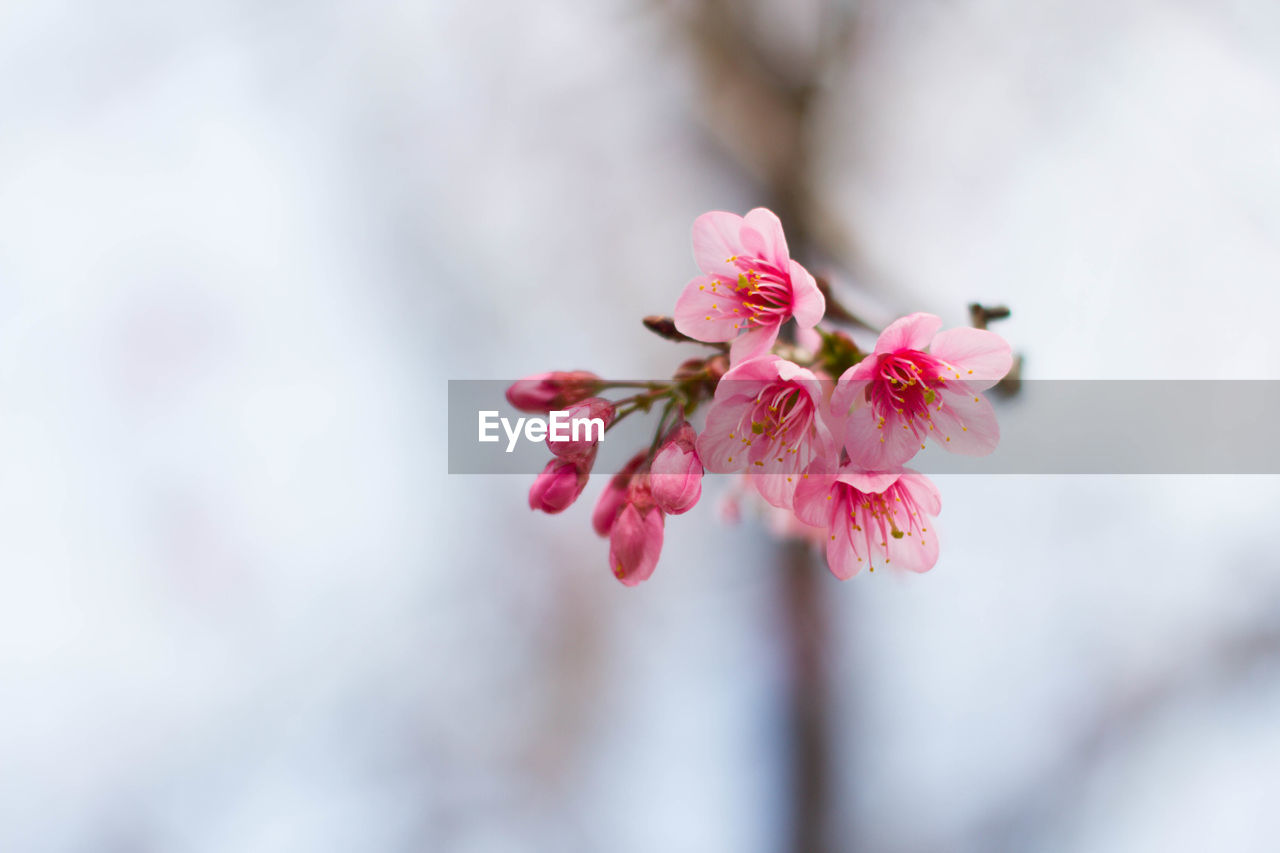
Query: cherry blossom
[768, 420]
[749, 286]
[871, 517]
[920, 384]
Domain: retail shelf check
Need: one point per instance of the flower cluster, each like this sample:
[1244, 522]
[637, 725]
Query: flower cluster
[820, 432]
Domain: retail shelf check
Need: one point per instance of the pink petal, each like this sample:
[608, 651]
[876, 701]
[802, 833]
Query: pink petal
[842, 557]
[716, 239]
[913, 331]
[789, 371]
[720, 445]
[922, 491]
[915, 553]
[878, 448]
[745, 376]
[981, 357]
[772, 244]
[810, 498]
[870, 483]
[777, 488]
[808, 304]
[635, 544]
[608, 505]
[756, 342]
[701, 312]
[676, 479]
[851, 386]
[966, 424]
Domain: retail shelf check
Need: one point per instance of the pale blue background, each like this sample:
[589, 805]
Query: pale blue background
[244, 245]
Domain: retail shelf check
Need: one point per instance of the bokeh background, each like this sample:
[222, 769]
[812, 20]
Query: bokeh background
[243, 246]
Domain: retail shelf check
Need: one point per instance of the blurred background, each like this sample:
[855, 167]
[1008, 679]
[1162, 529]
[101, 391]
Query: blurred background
[243, 246]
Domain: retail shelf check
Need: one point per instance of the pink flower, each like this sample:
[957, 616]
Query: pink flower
[635, 539]
[542, 392]
[676, 472]
[871, 517]
[559, 485]
[749, 287]
[769, 420]
[611, 500]
[918, 385]
[592, 408]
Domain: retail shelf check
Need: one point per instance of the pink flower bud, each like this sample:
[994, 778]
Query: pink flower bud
[635, 540]
[717, 366]
[614, 496]
[582, 436]
[676, 473]
[559, 485]
[542, 392]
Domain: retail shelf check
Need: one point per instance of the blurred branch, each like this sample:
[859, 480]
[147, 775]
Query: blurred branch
[980, 315]
[760, 110]
[806, 630]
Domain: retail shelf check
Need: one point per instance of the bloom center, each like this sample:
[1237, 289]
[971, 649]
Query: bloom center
[877, 518]
[906, 382]
[765, 290]
[782, 413]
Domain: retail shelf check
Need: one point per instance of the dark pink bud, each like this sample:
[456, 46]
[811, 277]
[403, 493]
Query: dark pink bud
[580, 428]
[559, 485]
[689, 369]
[614, 496]
[676, 473]
[717, 366]
[542, 392]
[635, 541]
